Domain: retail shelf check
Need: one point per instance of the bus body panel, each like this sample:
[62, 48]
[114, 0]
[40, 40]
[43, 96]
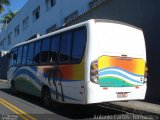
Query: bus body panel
[97, 94]
[66, 82]
[110, 46]
[26, 80]
[119, 52]
[120, 71]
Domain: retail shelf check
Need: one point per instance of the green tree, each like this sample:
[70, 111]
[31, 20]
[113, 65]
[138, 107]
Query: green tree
[3, 3]
[6, 18]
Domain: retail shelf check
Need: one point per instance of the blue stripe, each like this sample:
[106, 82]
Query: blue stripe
[117, 68]
[120, 74]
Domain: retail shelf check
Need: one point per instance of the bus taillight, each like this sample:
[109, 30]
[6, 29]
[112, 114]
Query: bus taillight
[146, 71]
[94, 71]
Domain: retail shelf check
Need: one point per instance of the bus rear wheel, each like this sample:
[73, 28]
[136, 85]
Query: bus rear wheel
[46, 98]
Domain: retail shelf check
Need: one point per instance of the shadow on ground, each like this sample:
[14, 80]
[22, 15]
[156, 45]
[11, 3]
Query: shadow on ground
[68, 110]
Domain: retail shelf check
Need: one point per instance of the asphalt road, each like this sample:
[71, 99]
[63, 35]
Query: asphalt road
[24, 106]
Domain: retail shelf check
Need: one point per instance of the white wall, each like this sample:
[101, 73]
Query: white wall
[54, 15]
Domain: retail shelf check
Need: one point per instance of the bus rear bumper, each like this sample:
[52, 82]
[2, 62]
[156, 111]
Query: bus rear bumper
[97, 94]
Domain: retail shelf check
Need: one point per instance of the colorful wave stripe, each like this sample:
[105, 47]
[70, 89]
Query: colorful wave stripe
[69, 71]
[119, 72]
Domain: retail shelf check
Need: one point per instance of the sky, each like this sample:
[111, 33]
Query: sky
[15, 5]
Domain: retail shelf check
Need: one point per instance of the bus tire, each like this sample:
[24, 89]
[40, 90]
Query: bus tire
[13, 87]
[46, 97]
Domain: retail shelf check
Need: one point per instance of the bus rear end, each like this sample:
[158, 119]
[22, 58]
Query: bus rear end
[116, 63]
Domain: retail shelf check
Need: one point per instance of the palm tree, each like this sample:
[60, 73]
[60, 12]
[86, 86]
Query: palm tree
[6, 18]
[3, 3]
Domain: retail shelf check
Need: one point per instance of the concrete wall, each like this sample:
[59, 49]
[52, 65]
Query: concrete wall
[146, 15]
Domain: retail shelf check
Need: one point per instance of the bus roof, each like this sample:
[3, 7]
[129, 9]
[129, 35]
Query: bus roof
[75, 26]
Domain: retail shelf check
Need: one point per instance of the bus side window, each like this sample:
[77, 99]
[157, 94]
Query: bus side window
[65, 47]
[37, 52]
[79, 42]
[53, 57]
[13, 57]
[25, 49]
[30, 54]
[19, 58]
[45, 50]
[10, 59]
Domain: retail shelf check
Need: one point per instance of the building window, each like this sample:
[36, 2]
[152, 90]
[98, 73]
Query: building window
[51, 29]
[25, 23]
[95, 3]
[71, 17]
[9, 38]
[36, 13]
[17, 31]
[50, 4]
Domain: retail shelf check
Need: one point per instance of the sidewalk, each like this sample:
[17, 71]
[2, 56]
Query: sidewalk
[139, 105]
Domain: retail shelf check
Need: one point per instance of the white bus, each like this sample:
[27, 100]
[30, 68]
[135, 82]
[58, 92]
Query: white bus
[91, 62]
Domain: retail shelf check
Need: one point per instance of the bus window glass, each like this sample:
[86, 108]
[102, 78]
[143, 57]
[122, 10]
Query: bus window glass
[53, 57]
[30, 54]
[65, 48]
[45, 50]
[13, 57]
[25, 48]
[37, 52]
[79, 41]
[19, 58]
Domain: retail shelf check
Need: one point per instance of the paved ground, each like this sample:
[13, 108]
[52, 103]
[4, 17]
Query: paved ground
[30, 107]
[139, 105]
[33, 107]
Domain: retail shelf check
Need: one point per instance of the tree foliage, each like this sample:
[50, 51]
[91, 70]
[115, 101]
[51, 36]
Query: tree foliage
[6, 18]
[3, 3]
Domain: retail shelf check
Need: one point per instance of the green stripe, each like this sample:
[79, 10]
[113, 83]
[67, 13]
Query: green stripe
[24, 85]
[110, 81]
